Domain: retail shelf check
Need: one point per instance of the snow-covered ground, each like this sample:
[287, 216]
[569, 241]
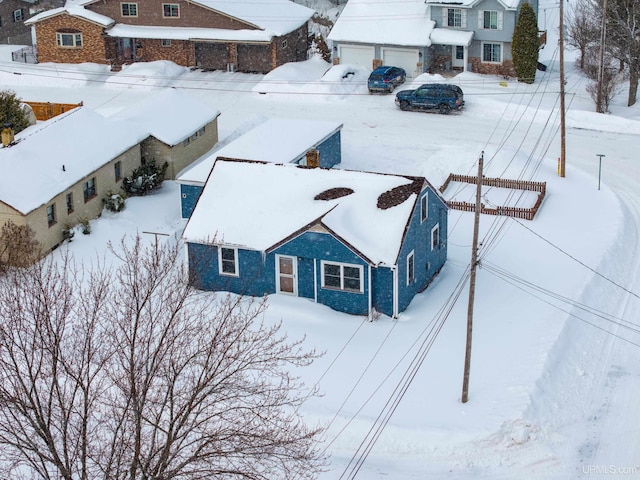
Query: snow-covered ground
[554, 383]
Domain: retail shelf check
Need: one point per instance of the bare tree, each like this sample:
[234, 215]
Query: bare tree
[18, 246]
[130, 373]
[582, 28]
[609, 79]
[623, 38]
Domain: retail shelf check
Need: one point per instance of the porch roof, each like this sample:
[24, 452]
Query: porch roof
[121, 30]
[448, 36]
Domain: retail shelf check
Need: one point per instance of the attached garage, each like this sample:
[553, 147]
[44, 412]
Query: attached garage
[405, 58]
[254, 58]
[214, 56]
[357, 55]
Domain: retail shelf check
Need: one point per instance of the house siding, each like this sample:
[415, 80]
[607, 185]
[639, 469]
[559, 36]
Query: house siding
[292, 47]
[189, 195]
[180, 156]
[418, 240]
[382, 281]
[150, 13]
[51, 236]
[330, 151]
[313, 247]
[93, 46]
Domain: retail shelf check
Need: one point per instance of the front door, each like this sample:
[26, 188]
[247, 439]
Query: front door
[125, 50]
[457, 56]
[286, 274]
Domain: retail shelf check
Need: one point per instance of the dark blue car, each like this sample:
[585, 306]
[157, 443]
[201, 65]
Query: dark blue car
[385, 79]
[441, 97]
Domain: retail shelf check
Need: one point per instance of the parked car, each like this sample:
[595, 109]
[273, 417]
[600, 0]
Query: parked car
[432, 96]
[386, 79]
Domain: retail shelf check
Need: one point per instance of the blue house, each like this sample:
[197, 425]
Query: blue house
[311, 143]
[354, 241]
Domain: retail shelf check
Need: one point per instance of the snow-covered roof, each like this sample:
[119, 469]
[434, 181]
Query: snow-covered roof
[257, 205]
[52, 156]
[74, 11]
[277, 140]
[170, 115]
[273, 17]
[121, 30]
[405, 23]
[448, 36]
[508, 4]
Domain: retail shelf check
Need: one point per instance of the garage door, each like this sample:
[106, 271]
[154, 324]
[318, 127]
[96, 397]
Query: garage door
[357, 55]
[214, 56]
[407, 59]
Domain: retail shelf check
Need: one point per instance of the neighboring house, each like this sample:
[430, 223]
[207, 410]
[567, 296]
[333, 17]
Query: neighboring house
[428, 35]
[370, 33]
[354, 241]
[13, 14]
[57, 172]
[278, 140]
[180, 128]
[255, 36]
[475, 34]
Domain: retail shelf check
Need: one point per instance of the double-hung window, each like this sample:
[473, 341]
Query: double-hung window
[51, 214]
[435, 237]
[170, 10]
[228, 261]
[89, 189]
[411, 271]
[18, 15]
[129, 9]
[455, 17]
[491, 52]
[490, 20]
[424, 207]
[342, 276]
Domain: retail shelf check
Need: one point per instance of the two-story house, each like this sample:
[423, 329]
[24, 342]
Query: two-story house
[427, 35]
[13, 14]
[255, 36]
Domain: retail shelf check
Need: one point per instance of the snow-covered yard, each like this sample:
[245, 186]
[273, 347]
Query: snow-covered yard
[555, 374]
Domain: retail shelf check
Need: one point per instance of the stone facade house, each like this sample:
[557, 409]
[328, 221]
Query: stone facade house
[210, 34]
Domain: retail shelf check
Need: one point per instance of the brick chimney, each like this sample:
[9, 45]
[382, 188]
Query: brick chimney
[7, 134]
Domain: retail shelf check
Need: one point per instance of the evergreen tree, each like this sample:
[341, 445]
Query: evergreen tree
[11, 111]
[525, 45]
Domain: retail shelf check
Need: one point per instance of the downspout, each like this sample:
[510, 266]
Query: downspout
[315, 280]
[395, 292]
[370, 299]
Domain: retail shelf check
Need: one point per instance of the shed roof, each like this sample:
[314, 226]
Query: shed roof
[170, 115]
[405, 23]
[50, 157]
[278, 140]
[257, 205]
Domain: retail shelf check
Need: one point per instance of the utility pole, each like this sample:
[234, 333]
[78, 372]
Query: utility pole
[561, 167]
[603, 36]
[472, 282]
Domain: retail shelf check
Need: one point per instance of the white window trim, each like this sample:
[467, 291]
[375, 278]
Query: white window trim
[170, 16]
[445, 17]
[482, 44]
[128, 3]
[294, 276]
[20, 15]
[235, 261]
[74, 35]
[424, 207]
[411, 259]
[165, 42]
[435, 228]
[500, 21]
[342, 265]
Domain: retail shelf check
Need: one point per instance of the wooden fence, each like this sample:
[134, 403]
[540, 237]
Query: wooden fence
[524, 213]
[46, 110]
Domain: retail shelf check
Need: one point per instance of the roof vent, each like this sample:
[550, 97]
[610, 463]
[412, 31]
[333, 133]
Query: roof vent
[333, 193]
[398, 195]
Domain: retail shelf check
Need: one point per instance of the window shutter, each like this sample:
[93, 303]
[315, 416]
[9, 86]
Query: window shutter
[480, 19]
[445, 17]
[500, 23]
[463, 20]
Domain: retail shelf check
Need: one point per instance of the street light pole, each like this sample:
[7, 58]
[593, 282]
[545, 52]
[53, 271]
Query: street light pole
[600, 155]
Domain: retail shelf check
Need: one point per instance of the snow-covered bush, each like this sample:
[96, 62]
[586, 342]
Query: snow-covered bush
[145, 179]
[114, 202]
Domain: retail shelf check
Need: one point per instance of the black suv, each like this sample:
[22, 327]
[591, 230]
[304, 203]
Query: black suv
[443, 97]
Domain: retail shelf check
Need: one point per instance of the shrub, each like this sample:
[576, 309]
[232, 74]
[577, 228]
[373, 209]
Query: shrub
[114, 202]
[11, 111]
[144, 179]
[85, 226]
[68, 232]
[18, 246]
